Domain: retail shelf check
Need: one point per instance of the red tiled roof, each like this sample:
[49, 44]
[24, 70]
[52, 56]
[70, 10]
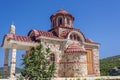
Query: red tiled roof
[38, 33]
[62, 11]
[48, 34]
[90, 41]
[74, 48]
[18, 38]
[22, 38]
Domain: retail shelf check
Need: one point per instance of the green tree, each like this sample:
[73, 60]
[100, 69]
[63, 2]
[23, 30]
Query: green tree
[0, 76]
[107, 64]
[37, 65]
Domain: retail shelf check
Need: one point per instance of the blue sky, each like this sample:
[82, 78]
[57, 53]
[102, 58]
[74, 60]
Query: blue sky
[99, 20]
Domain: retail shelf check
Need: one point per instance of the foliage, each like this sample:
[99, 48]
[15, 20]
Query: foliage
[100, 79]
[0, 76]
[78, 79]
[21, 77]
[107, 64]
[97, 79]
[36, 64]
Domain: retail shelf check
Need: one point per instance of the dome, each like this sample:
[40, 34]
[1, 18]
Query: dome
[62, 12]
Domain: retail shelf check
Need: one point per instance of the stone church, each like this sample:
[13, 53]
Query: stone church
[73, 53]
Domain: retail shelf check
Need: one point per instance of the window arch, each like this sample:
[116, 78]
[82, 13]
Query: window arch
[75, 37]
[71, 37]
[68, 20]
[60, 21]
[78, 38]
[53, 22]
[52, 57]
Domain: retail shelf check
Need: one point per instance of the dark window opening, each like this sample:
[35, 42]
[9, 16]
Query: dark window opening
[52, 57]
[68, 21]
[59, 21]
[78, 38]
[70, 36]
[75, 37]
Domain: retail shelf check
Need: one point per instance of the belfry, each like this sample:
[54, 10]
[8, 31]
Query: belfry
[73, 53]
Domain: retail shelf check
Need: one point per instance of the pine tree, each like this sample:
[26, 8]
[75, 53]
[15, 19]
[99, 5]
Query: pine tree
[37, 65]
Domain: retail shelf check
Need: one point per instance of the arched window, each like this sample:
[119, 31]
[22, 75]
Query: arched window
[52, 57]
[68, 21]
[70, 36]
[78, 38]
[75, 37]
[59, 21]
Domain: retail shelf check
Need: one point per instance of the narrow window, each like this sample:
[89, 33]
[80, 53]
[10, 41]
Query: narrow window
[75, 37]
[78, 38]
[52, 57]
[68, 21]
[59, 21]
[70, 36]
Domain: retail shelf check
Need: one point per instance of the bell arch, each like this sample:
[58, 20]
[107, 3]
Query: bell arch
[68, 20]
[59, 21]
[74, 35]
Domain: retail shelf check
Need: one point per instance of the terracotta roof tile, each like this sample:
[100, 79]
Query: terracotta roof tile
[74, 48]
[9, 36]
[90, 41]
[43, 33]
[47, 34]
[18, 38]
[22, 38]
[38, 33]
[63, 12]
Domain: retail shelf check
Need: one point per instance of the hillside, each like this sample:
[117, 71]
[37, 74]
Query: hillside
[107, 64]
[18, 70]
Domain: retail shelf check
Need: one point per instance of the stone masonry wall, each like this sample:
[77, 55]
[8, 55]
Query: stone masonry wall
[71, 65]
[76, 65]
[54, 49]
[96, 62]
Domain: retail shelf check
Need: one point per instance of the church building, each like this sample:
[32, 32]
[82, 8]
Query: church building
[73, 53]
